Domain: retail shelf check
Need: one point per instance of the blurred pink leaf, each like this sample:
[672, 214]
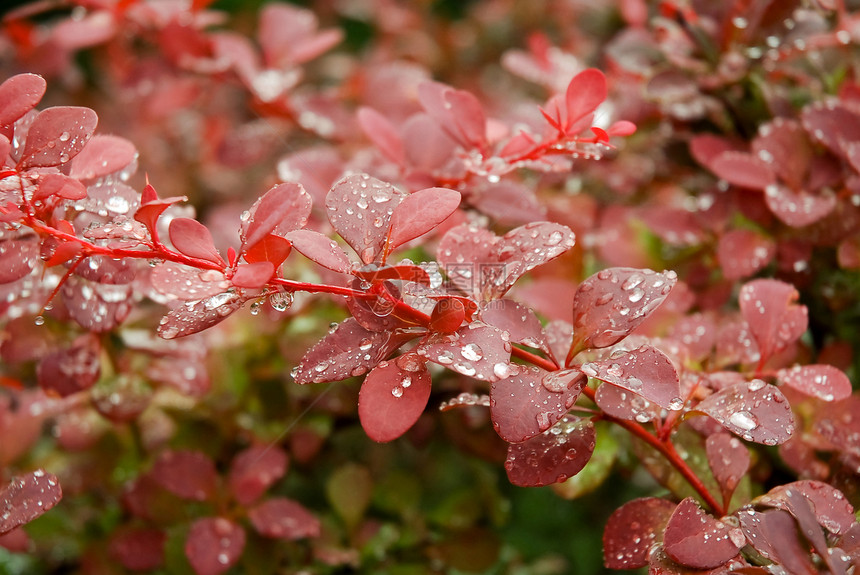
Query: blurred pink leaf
[138, 548]
[729, 460]
[382, 133]
[741, 169]
[27, 497]
[214, 545]
[774, 318]
[186, 474]
[102, 155]
[254, 470]
[742, 252]
[283, 518]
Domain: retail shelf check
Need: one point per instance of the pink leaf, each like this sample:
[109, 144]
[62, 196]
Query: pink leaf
[193, 239]
[102, 156]
[272, 249]
[18, 95]
[27, 497]
[359, 208]
[632, 530]
[383, 134]
[214, 544]
[743, 252]
[586, 91]
[775, 319]
[743, 170]
[822, 381]
[478, 350]
[783, 144]
[705, 148]
[801, 207]
[646, 371]
[728, 459]
[613, 302]
[289, 35]
[392, 399]
[282, 209]
[186, 474]
[695, 539]
[832, 509]
[254, 470]
[553, 456]
[185, 282]
[531, 400]
[519, 321]
[252, 276]
[138, 549]
[72, 369]
[622, 404]
[458, 112]
[18, 258]
[755, 410]
[321, 249]
[60, 185]
[420, 212]
[774, 534]
[57, 135]
[832, 124]
[282, 518]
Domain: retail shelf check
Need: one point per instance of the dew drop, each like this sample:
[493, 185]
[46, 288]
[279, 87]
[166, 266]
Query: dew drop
[743, 420]
[397, 391]
[472, 352]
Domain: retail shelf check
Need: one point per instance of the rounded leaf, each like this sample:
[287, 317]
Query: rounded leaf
[553, 456]
[729, 460]
[214, 544]
[27, 497]
[695, 539]
[741, 169]
[822, 381]
[57, 135]
[631, 531]
[282, 209]
[103, 155]
[477, 350]
[392, 399]
[420, 212]
[186, 474]
[254, 470]
[754, 410]
[743, 252]
[18, 95]
[193, 239]
[775, 319]
[283, 518]
[321, 249]
[646, 371]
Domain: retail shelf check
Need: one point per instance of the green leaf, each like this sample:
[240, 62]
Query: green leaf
[349, 490]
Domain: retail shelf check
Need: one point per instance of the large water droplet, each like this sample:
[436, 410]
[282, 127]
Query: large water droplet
[743, 420]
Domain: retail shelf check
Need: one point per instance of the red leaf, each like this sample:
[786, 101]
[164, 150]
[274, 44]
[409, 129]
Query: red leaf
[783, 144]
[382, 132]
[18, 258]
[57, 135]
[531, 400]
[477, 350]
[252, 276]
[586, 91]
[319, 248]
[774, 535]
[273, 249]
[447, 316]
[27, 497]
[695, 539]
[631, 531]
[193, 239]
[392, 399]
[186, 474]
[359, 208]
[646, 371]
[832, 509]
[420, 212]
[138, 549]
[705, 148]
[282, 518]
[458, 112]
[102, 156]
[553, 456]
[729, 460]
[254, 470]
[72, 369]
[152, 207]
[18, 95]
[613, 302]
[404, 272]
[776, 321]
[832, 124]
[743, 252]
[755, 410]
[214, 544]
[282, 209]
[801, 207]
[619, 402]
[741, 169]
[822, 381]
[60, 185]
[519, 321]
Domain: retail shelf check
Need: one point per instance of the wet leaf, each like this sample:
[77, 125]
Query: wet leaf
[477, 350]
[783, 145]
[774, 534]
[72, 369]
[253, 276]
[553, 456]
[830, 506]
[392, 399]
[822, 381]
[646, 371]
[284, 208]
[321, 249]
[770, 309]
[98, 307]
[18, 95]
[832, 124]
[420, 212]
[613, 302]
[754, 410]
[18, 257]
[695, 539]
[254, 470]
[26, 497]
[799, 208]
[193, 239]
[186, 474]
[631, 531]
[193, 317]
[60, 185]
[103, 155]
[57, 135]
[743, 252]
[741, 169]
[518, 320]
[214, 545]
[729, 460]
[185, 282]
[282, 518]
[622, 404]
[531, 400]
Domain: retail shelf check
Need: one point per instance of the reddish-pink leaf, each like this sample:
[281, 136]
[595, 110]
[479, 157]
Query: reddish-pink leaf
[447, 316]
[382, 132]
[613, 302]
[477, 350]
[27, 497]
[799, 208]
[321, 249]
[822, 381]
[16, 541]
[283, 518]
[193, 239]
[289, 35]
[282, 209]
[152, 207]
[774, 534]
[832, 124]
[631, 531]
[695, 539]
[60, 185]
[186, 474]
[273, 249]
[214, 545]
[103, 155]
[72, 369]
[742, 252]
[359, 208]
[458, 112]
[185, 282]
[530, 400]
[586, 91]
[754, 410]
[621, 403]
[18, 95]
[705, 148]
[519, 321]
[775, 319]
[830, 506]
[254, 470]
[646, 371]
[18, 258]
[252, 276]
[392, 399]
[783, 144]
[403, 272]
[507, 202]
[741, 169]
[94, 305]
[57, 135]
[524, 248]
[840, 426]
[729, 460]
[349, 350]
[552, 456]
[419, 213]
[138, 549]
